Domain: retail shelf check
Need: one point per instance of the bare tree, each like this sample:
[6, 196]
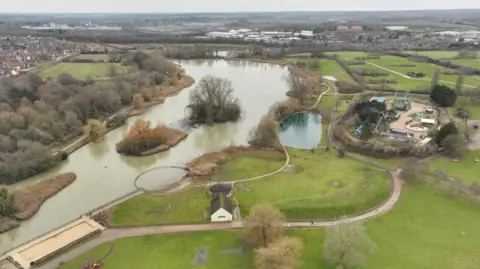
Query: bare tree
[345, 245]
[413, 171]
[213, 101]
[435, 78]
[138, 101]
[454, 145]
[281, 254]
[459, 84]
[299, 88]
[112, 70]
[265, 133]
[263, 225]
[94, 129]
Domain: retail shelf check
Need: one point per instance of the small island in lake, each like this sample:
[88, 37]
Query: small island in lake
[143, 140]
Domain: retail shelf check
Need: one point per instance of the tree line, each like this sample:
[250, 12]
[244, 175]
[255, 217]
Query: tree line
[37, 114]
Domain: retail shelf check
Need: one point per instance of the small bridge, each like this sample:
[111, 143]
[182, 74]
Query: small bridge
[180, 167]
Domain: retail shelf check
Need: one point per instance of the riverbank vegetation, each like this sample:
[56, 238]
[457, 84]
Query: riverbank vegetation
[142, 140]
[212, 101]
[24, 203]
[38, 115]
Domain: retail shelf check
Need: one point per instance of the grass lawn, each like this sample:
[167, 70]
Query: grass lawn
[392, 62]
[96, 57]
[422, 231]
[467, 62]
[188, 206]
[332, 68]
[79, 70]
[435, 54]
[473, 110]
[245, 167]
[348, 55]
[306, 191]
[465, 169]
[172, 251]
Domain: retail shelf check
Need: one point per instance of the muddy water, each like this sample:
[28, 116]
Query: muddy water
[103, 175]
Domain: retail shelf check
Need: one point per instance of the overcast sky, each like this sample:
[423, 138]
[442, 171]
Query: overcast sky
[132, 6]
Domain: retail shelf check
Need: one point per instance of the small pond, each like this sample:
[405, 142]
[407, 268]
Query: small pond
[302, 131]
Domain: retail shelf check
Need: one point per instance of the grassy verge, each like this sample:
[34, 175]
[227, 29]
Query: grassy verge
[173, 251]
[307, 191]
[465, 169]
[242, 167]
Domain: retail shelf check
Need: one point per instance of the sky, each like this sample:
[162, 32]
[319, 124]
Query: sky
[169, 6]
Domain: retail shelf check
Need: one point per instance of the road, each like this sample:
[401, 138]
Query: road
[423, 79]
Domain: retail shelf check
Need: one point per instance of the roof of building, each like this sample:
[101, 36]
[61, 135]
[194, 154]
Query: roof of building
[398, 131]
[378, 99]
[430, 121]
[221, 188]
[221, 201]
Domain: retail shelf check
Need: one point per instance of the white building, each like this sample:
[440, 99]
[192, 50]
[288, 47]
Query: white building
[396, 28]
[221, 209]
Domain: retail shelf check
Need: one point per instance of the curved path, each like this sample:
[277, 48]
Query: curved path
[423, 79]
[110, 235]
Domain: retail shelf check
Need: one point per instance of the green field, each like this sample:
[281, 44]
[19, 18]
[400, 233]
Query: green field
[435, 54]
[306, 191]
[172, 251]
[96, 57]
[422, 231]
[332, 68]
[188, 206]
[79, 71]
[475, 63]
[246, 167]
[465, 169]
[347, 55]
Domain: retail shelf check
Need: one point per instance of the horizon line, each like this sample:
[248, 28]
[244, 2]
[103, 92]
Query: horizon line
[230, 12]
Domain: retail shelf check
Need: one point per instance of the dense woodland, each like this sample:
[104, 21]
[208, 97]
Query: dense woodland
[36, 115]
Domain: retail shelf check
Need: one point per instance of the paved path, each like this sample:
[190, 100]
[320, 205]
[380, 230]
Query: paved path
[423, 79]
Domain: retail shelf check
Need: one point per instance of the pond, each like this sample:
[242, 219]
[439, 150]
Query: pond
[302, 131]
[104, 175]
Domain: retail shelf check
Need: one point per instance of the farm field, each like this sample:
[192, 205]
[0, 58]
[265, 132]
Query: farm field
[424, 227]
[465, 169]
[314, 196]
[332, 68]
[80, 71]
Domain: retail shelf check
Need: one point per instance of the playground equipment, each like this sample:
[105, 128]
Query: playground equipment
[401, 102]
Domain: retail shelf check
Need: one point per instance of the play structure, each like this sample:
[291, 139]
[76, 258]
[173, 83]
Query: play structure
[401, 102]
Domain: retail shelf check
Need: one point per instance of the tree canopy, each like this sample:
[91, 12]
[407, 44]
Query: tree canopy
[443, 95]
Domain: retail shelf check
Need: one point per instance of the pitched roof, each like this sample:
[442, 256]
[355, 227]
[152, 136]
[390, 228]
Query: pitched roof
[221, 201]
[221, 188]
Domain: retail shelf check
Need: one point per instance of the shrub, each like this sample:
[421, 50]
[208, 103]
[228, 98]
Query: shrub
[446, 130]
[265, 133]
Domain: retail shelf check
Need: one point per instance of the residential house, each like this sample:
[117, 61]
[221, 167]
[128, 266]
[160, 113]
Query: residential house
[221, 209]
